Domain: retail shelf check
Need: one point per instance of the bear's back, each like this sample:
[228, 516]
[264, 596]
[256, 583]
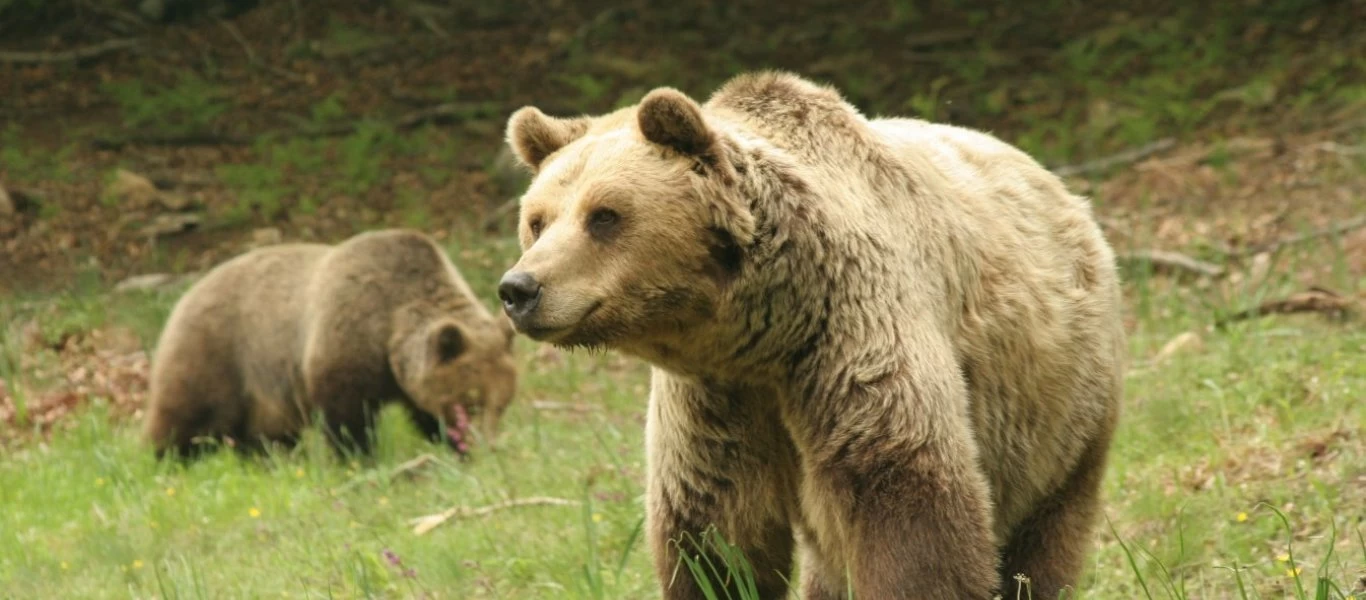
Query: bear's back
[384, 269]
[253, 296]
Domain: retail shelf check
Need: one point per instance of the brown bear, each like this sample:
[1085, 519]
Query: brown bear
[267, 339]
[893, 344]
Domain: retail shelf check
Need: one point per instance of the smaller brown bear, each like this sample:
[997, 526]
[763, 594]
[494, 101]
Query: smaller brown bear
[270, 337]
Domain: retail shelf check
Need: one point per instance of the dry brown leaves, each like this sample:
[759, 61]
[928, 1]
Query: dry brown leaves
[107, 364]
[1254, 463]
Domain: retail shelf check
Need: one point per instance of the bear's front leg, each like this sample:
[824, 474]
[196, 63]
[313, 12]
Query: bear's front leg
[894, 504]
[718, 459]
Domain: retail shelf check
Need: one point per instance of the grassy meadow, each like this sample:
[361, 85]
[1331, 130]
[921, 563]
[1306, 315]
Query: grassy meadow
[1239, 466]
[1239, 469]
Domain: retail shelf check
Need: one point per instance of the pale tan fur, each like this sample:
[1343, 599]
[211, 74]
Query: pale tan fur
[895, 342]
[265, 339]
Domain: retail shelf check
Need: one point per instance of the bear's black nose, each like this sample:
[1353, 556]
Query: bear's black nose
[519, 292]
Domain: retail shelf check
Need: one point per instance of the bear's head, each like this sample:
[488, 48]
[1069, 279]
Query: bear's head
[460, 370]
[632, 227]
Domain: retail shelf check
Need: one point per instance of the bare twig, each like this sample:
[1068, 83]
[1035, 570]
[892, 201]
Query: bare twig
[69, 55]
[424, 13]
[1123, 158]
[1171, 261]
[407, 468]
[1316, 299]
[242, 41]
[412, 465]
[115, 13]
[422, 525]
[251, 54]
[1272, 246]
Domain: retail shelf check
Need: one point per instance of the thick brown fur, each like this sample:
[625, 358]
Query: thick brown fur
[268, 339]
[897, 344]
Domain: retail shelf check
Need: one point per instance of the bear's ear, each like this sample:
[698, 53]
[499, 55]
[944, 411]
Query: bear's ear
[448, 343]
[534, 135]
[670, 118]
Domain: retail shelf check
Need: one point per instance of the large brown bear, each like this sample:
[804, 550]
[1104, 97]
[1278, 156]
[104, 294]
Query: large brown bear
[270, 337]
[894, 343]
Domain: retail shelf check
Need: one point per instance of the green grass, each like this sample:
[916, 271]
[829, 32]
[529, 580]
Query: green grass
[1231, 456]
[1265, 416]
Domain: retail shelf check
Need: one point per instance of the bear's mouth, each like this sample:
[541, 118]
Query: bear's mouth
[457, 433]
[551, 334]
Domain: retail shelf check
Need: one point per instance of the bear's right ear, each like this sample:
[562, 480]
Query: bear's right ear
[534, 135]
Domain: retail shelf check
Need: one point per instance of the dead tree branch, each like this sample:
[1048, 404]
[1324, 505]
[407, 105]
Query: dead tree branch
[1122, 158]
[422, 525]
[1272, 246]
[1165, 260]
[85, 53]
[1316, 299]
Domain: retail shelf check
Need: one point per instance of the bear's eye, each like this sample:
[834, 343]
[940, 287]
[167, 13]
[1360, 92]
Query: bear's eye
[535, 226]
[603, 222]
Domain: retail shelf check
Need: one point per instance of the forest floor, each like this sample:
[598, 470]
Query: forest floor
[1236, 200]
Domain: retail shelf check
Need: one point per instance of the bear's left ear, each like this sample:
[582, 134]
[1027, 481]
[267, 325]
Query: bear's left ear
[448, 343]
[670, 118]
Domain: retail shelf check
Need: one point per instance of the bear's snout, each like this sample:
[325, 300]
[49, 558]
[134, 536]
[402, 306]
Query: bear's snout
[520, 293]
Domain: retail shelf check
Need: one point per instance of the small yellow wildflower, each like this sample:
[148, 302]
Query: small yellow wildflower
[1242, 517]
[355, 525]
[152, 524]
[137, 564]
[254, 512]
[597, 517]
[1293, 572]
[299, 472]
[1283, 557]
[383, 500]
[170, 491]
[99, 482]
[65, 566]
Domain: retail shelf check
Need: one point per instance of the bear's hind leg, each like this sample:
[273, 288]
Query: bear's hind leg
[187, 430]
[1050, 546]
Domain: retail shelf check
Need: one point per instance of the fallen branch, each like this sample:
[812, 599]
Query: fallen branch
[241, 41]
[422, 525]
[1123, 158]
[68, 55]
[1343, 227]
[407, 468]
[1317, 299]
[450, 112]
[1165, 260]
